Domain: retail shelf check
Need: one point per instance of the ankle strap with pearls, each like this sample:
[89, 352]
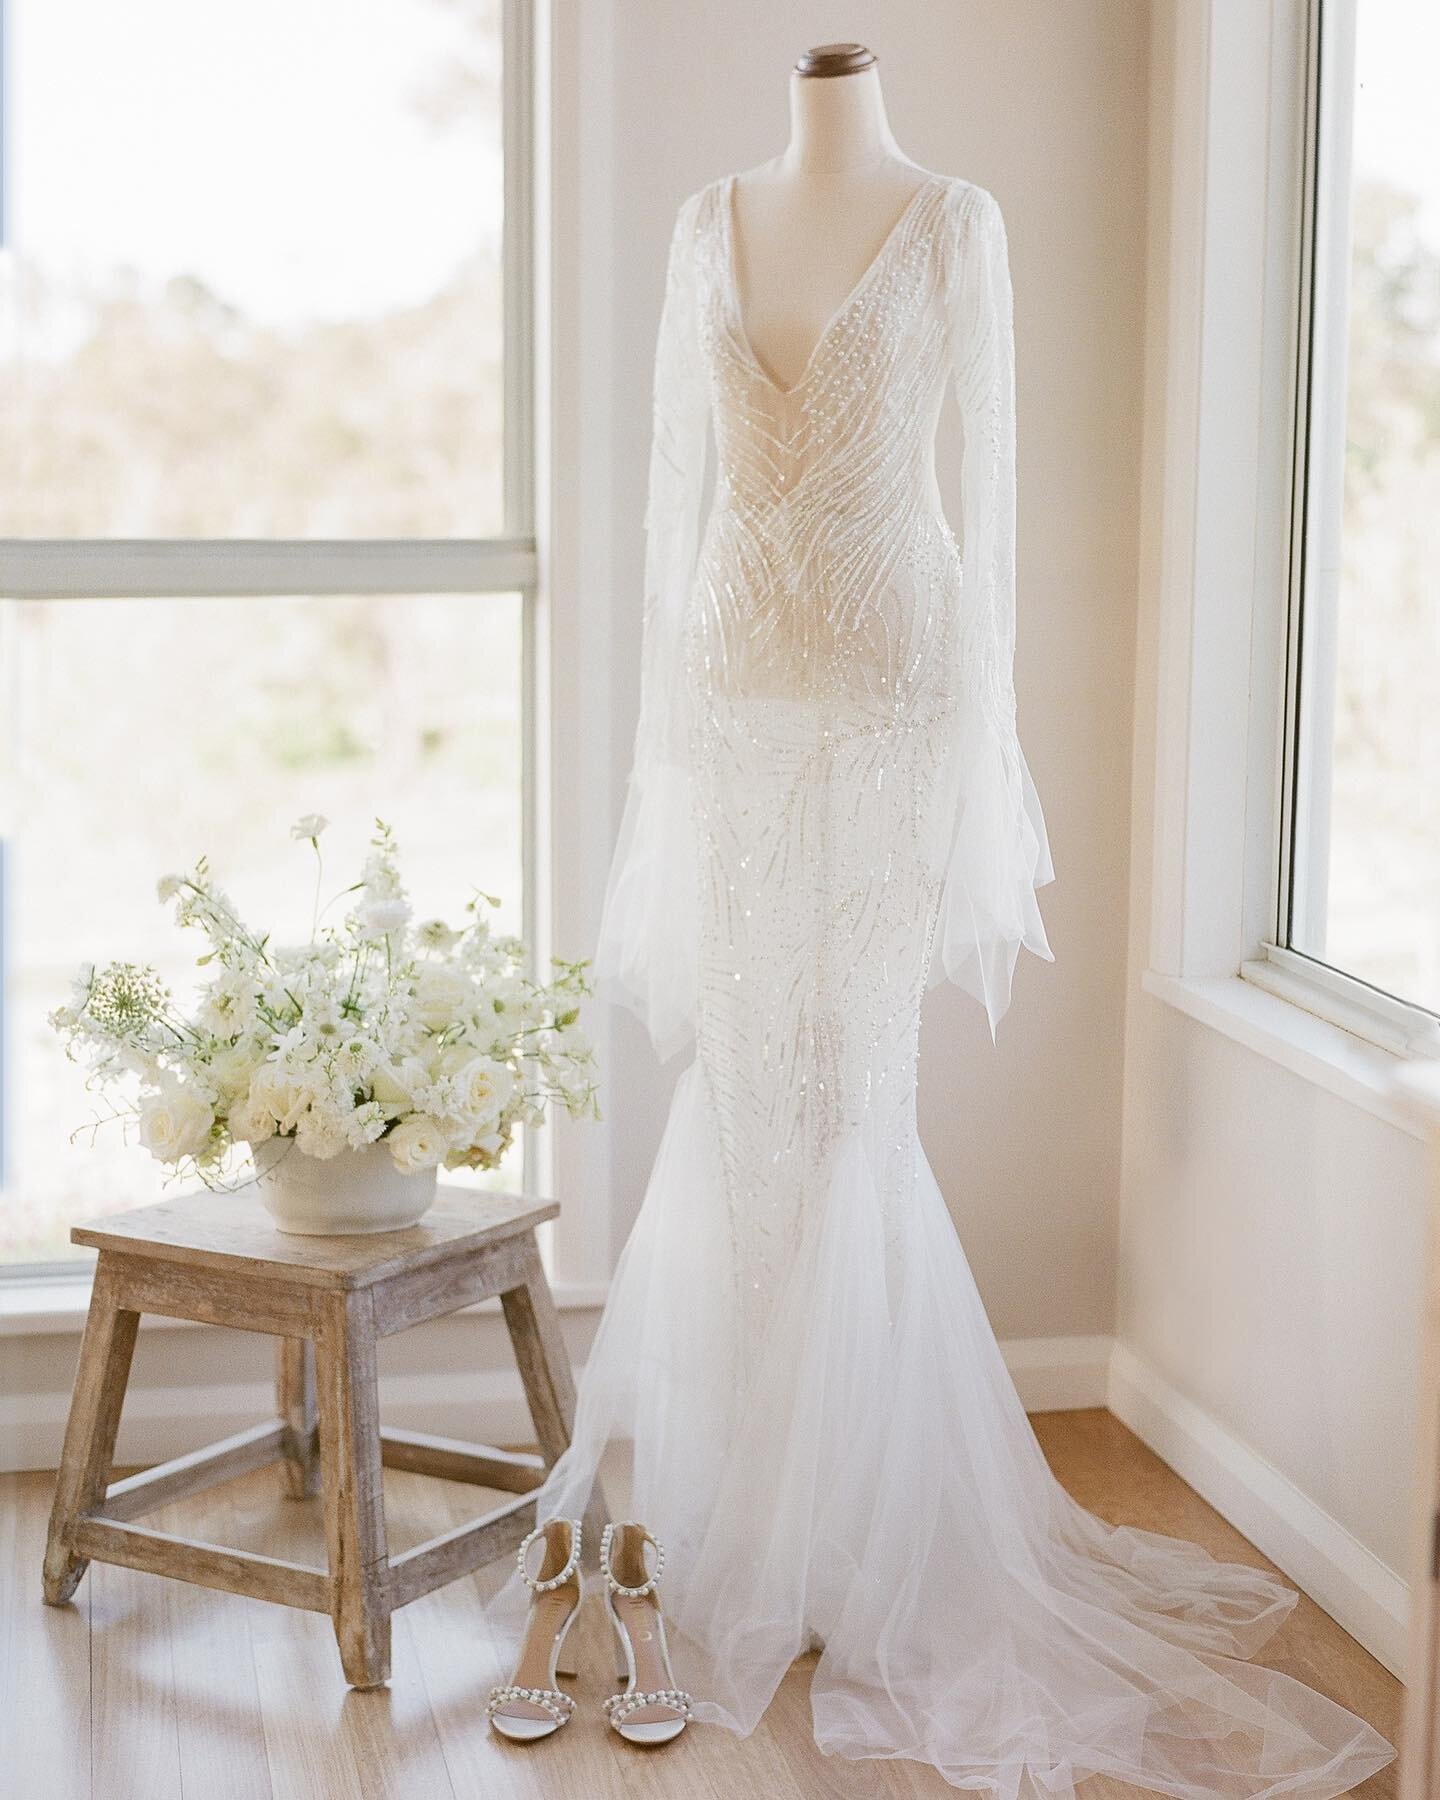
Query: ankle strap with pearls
[617, 1586]
[572, 1562]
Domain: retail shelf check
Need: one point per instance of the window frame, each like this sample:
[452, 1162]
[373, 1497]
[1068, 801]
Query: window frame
[1231, 111]
[509, 563]
[1389, 1020]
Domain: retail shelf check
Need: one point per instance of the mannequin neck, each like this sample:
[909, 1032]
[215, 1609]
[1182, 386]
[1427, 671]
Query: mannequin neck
[837, 124]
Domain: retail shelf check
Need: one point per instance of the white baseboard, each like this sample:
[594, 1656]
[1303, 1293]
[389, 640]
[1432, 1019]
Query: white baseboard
[1052, 1374]
[1318, 1553]
[1064, 1374]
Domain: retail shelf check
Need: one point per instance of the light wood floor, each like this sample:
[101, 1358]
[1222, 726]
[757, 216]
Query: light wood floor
[148, 1688]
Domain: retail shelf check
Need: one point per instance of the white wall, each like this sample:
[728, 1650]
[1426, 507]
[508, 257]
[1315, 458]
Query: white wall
[1044, 105]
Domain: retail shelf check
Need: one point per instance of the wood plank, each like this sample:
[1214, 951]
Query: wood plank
[352, 1485]
[133, 1723]
[254, 1448]
[323, 1740]
[461, 1550]
[232, 1233]
[218, 1725]
[210, 1565]
[543, 1360]
[44, 1658]
[428, 1292]
[447, 1459]
[106, 1349]
[272, 1308]
[295, 1402]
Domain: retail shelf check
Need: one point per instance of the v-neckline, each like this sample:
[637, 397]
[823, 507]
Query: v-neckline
[732, 275]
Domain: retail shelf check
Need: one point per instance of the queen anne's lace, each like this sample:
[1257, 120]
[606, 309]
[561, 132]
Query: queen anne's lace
[829, 808]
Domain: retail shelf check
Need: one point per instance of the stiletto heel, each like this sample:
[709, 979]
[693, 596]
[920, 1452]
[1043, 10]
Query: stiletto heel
[531, 1705]
[650, 1709]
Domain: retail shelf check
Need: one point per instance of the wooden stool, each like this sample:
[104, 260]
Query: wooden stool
[218, 1258]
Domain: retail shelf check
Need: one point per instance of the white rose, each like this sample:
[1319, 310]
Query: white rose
[418, 1143]
[394, 1084]
[174, 1124]
[231, 1071]
[482, 1088]
[442, 995]
[282, 1093]
[251, 1124]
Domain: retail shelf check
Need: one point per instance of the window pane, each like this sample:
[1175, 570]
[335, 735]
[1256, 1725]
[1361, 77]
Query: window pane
[1367, 884]
[251, 283]
[141, 733]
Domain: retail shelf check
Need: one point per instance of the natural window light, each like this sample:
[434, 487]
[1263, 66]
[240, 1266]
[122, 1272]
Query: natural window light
[252, 273]
[1361, 877]
[264, 476]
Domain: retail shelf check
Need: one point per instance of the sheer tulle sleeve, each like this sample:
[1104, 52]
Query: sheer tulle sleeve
[998, 853]
[645, 957]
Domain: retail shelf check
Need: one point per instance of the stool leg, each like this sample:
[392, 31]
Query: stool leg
[544, 1365]
[350, 1480]
[295, 1403]
[100, 1380]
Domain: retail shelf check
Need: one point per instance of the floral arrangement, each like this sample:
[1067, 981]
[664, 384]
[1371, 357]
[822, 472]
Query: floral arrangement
[428, 1038]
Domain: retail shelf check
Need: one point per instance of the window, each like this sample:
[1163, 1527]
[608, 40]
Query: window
[265, 494]
[1360, 863]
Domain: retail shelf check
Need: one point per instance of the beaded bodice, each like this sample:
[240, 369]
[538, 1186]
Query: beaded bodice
[827, 774]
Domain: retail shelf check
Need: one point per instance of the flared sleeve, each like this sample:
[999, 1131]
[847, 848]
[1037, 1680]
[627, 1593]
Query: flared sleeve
[646, 952]
[998, 851]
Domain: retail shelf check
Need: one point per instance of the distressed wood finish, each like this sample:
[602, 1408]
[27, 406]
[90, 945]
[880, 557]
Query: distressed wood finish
[207, 1565]
[512, 1471]
[89, 1450]
[219, 1259]
[295, 1403]
[460, 1551]
[186, 1475]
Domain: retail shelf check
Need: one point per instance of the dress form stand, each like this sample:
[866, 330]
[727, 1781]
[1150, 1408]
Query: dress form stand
[809, 222]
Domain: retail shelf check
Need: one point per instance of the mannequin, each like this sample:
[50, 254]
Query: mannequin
[809, 222]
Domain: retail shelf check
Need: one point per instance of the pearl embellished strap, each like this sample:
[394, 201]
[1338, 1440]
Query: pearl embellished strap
[572, 1562]
[559, 1706]
[618, 1587]
[619, 1707]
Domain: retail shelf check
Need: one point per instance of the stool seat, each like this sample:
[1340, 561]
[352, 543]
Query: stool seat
[218, 1258]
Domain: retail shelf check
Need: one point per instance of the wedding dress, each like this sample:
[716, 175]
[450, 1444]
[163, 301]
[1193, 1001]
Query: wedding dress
[828, 811]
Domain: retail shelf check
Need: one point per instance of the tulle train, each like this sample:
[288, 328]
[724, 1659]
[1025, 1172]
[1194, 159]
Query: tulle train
[865, 1479]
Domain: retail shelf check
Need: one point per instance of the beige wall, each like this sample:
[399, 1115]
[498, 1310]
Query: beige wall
[1272, 1232]
[1044, 105]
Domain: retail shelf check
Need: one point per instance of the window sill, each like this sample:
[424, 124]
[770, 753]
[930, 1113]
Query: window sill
[51, 1305]
[1286, 1033]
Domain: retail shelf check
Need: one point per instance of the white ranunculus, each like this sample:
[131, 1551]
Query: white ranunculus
[442, 995]
[175, 1123]
[417, 1143]
[435, 934]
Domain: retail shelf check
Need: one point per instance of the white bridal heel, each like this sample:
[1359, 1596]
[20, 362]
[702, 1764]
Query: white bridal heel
[531, 1705]
[650, 1709]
